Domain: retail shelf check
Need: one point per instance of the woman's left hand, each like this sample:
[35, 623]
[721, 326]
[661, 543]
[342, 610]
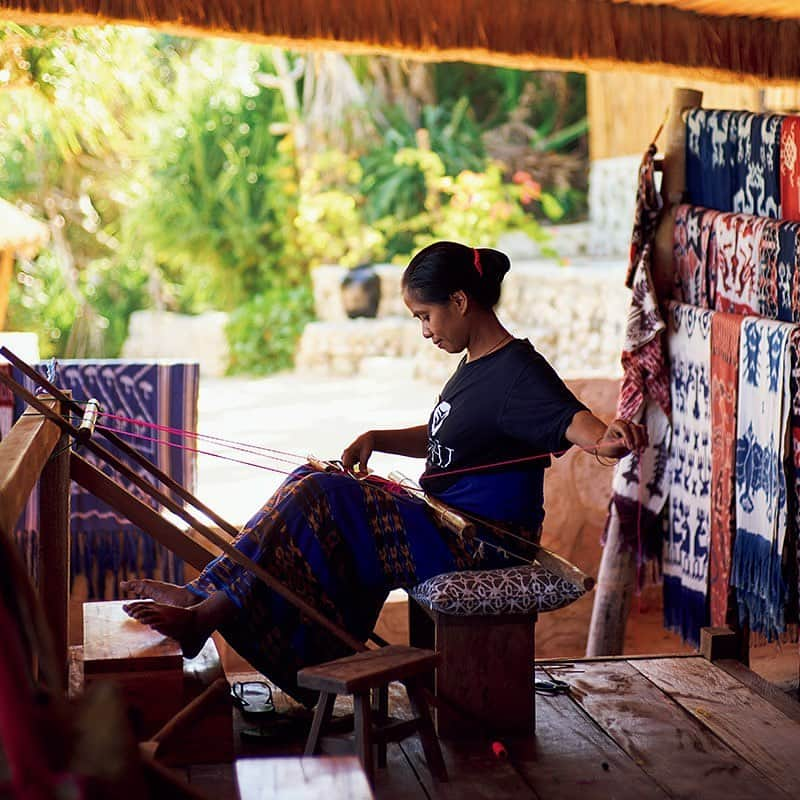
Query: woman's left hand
[622, 437]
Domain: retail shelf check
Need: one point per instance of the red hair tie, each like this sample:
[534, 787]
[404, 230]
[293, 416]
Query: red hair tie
[477, 261]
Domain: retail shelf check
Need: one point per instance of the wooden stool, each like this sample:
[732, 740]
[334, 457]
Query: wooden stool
[485, 669]
[159, 686]
[366, 676]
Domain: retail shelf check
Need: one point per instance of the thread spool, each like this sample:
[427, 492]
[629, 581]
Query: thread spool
[90, 415]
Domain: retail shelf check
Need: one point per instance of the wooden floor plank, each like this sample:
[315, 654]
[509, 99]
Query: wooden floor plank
[779, 698]
[750, 725]
[571, 758]
[675, 750]
[475, 774]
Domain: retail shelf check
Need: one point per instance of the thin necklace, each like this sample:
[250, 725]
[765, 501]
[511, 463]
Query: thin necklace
[506, 337]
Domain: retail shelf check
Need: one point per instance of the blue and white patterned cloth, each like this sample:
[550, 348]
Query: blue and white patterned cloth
[686, 550]
[159, 392]
[733, 161]
[761, 492]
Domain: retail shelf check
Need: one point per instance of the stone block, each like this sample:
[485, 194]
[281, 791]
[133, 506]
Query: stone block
[164, 334]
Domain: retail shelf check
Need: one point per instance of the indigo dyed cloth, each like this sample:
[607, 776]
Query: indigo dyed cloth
[711, 150]
[342, 545]
[733, 161]
[687, 546]
[761, 492]
[159, 392]
[778, 287]
[725, 329]
[757, 182]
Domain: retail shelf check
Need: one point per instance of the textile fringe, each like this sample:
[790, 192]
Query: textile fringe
[597, 34]
[725, 342]
[758, 568]
[685, 612]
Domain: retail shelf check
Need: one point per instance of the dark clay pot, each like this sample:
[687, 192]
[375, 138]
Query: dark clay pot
[361, 291]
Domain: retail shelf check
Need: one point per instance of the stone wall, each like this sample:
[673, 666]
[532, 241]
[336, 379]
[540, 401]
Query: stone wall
[574, 315]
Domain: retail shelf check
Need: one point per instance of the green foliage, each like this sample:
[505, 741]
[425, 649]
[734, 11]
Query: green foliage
[40, 300]
[399, 189]
[220, 191]
[171, 172]
[263, 331]
[330, 226]
[473, 207]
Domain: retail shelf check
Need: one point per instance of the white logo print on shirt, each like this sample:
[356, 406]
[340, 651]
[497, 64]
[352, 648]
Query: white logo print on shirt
[440, 414]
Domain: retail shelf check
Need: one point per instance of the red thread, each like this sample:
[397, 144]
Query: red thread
[477, 261]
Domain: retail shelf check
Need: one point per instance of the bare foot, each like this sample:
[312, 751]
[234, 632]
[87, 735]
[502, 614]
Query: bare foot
[178, 623]
[168, 593]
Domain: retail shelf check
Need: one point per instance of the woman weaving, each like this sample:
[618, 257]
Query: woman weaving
[342, 544]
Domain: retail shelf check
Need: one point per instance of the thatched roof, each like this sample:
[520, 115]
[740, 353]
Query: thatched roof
[19, 232]
[715, 39]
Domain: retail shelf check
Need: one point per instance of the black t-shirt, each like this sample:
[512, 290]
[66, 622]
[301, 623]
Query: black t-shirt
[506, 405]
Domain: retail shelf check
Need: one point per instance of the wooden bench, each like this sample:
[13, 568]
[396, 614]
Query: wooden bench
[182, 707]
[366, 676]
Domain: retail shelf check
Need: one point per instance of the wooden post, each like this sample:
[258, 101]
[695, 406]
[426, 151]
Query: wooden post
[673, 187]
[54, 546]
[617, 574]
[612, 598]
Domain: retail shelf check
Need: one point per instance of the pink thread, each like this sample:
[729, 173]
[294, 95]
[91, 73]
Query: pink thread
[253, 448]
[192, 449]
[477, 261]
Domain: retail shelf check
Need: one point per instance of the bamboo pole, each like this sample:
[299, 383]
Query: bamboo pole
[617, 574]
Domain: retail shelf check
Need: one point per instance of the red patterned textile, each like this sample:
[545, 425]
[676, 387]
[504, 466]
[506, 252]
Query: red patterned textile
[725, 329]
[734, 262]
[790, 168]
[691, 242]
[647, 212]
[645, 371]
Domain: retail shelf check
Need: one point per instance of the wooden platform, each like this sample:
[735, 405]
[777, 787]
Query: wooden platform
[658, 727]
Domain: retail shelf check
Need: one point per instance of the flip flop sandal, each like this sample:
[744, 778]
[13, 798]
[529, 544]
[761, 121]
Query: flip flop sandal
[253, 698]
[277, 728]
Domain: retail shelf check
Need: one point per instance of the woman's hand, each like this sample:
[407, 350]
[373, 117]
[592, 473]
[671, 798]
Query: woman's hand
[622, 437]
[359, 452]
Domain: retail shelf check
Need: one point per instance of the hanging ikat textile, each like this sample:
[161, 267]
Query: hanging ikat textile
[724, 382]
[639, 484]
[778, 289]
[733, 262]
[687, 546]
[790, 168]
[103, 541]
[733, 161]
[646, 214]
[691, 239]
[761, 491]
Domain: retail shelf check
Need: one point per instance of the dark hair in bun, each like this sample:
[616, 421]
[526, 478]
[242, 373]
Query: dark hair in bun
[442, 268]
